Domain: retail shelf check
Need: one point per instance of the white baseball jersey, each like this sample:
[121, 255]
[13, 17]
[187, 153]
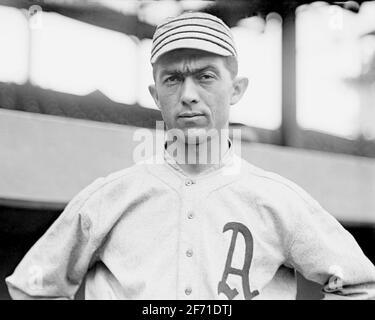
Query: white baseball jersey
[152, 232]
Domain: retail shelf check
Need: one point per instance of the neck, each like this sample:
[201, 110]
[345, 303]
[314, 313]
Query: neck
[197, 158]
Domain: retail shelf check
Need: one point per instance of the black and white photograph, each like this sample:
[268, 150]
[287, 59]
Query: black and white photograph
[187, 150]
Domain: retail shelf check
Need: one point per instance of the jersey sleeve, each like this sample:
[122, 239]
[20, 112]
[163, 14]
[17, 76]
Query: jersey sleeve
[326, 253]
[56, 264]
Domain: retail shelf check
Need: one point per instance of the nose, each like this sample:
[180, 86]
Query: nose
[189, 93]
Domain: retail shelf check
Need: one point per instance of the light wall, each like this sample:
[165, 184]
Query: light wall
[45, 160]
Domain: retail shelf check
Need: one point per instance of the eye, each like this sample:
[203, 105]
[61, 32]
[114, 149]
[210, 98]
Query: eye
[172, 79]
[206, 77]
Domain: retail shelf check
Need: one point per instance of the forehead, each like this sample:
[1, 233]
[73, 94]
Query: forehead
[188, 60]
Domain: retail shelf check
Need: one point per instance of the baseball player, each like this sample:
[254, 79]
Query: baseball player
[181, 230]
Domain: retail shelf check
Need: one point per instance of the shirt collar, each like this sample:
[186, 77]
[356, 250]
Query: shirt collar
[226, 160]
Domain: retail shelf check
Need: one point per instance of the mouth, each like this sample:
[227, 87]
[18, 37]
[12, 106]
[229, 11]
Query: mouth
[190, 115]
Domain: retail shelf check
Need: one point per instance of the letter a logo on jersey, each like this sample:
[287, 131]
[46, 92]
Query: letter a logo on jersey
[223, 286]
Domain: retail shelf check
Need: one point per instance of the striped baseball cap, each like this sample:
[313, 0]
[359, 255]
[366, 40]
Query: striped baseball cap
[194, 30]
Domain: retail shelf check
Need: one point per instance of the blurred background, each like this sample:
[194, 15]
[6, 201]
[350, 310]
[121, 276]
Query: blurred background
[73, 89]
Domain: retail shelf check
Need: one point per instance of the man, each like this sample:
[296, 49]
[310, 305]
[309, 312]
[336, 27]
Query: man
[193, 230]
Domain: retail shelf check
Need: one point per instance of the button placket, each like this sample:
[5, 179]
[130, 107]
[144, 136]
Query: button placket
[188, 287]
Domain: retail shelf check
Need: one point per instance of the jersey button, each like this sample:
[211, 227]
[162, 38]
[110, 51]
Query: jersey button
[188, 182]
[189, 253]
[188, 291]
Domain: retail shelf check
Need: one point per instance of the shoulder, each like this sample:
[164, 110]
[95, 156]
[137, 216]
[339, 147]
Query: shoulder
[106, 187]
[292, 207]
[274, 187]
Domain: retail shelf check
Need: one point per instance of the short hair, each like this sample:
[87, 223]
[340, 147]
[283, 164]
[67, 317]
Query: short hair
[231, 64]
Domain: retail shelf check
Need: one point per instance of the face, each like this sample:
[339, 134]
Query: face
[194, 90]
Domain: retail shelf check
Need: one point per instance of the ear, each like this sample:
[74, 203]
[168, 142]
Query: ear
[154, 94]
[239, 87]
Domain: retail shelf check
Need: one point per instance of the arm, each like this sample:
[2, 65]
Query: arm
[324, 252]
[55, 266]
